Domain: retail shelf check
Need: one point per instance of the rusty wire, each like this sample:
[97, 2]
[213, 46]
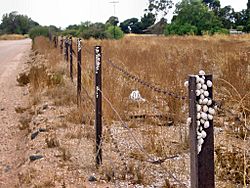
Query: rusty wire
[151, 86]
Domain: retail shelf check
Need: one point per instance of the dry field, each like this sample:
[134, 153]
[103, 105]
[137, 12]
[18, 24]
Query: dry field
[156, 127]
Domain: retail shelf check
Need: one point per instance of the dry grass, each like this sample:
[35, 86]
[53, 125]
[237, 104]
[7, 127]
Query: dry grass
[167, 62]
[12, 37]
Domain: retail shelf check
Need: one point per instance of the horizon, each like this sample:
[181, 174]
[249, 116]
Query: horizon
[87, 10]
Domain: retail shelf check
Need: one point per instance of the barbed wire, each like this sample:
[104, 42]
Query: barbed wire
[150, 158]
[151, 86]
[83, 88]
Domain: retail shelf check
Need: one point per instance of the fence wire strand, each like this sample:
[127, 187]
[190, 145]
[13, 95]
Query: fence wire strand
[150, 158]
[151, 86]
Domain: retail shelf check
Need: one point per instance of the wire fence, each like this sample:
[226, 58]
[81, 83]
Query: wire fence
[150, 158]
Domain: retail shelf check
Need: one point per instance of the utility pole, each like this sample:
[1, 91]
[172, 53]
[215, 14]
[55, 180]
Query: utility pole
[114, 4]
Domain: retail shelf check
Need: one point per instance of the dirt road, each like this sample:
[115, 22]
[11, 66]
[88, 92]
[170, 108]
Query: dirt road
[12, 141]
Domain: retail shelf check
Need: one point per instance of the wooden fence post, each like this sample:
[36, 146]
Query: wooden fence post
[71, 59]
[66, 52]
[79, 70]
[61, 45]
[201, 131]
[98, 110]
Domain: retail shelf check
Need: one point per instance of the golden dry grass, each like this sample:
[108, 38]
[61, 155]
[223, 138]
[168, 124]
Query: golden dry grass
[12, 37]
[167, 62]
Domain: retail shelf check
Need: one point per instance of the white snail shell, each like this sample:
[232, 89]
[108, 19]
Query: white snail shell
[205, 101]
[209, 102]
[197, 79]
[198, 149]
[200, 141]
[198, 123]
[198, 116]
[202, 72]
[205, 108]
[204, 116]
[201, 80]
[206, 124]
[210, 117]
[211, 111]
[209, 83]
[198, 86]
[200, 101]
[203, 134]
[186, 84]
[206, 93]
[202, 97]
[198, 108]
[204, 87]
[197, 93]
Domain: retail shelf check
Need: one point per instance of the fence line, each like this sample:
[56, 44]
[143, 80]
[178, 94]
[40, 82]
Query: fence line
[200, 121]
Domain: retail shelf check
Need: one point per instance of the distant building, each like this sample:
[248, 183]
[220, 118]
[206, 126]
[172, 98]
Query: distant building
[235, 32]
[157, 28]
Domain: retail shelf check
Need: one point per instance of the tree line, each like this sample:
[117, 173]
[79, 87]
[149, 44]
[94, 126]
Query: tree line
[191, 17]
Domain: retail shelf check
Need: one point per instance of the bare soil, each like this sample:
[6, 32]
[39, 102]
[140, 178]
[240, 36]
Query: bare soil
[12, 141]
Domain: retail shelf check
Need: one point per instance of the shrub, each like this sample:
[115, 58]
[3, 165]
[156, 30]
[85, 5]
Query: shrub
[177, 29]
[38, 31]
[96, 30]
[222, 31]
[71, 32]
[114, 32]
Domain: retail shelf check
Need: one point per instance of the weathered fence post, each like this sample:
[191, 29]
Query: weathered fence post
[66, 52]
[98, 96]
[201, 131]
[79, 70]
[71, 59]
[61, 45]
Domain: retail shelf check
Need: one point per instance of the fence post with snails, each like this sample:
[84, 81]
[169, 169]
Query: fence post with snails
[71, 58]
[98, 99]
[200, 121]
[79, 70]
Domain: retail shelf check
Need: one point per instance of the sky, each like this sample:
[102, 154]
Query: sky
[62, 13]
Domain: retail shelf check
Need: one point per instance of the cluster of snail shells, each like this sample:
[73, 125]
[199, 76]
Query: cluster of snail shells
[204, 108]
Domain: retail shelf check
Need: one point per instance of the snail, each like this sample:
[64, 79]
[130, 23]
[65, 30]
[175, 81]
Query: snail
[202, 72]
[209, 83]
[206, 124]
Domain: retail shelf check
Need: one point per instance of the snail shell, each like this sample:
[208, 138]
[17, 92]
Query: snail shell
[206, 124]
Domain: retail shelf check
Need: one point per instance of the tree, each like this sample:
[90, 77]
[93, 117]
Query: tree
[147, 20]
[13, 23]
[159, 6]
[192, 16]
[112, 21]
[38, 31]
[94, 30]
[132, 25]
[227, 17]
[212, 4]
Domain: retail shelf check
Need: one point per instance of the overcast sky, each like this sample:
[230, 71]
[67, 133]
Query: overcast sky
[62, 13]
